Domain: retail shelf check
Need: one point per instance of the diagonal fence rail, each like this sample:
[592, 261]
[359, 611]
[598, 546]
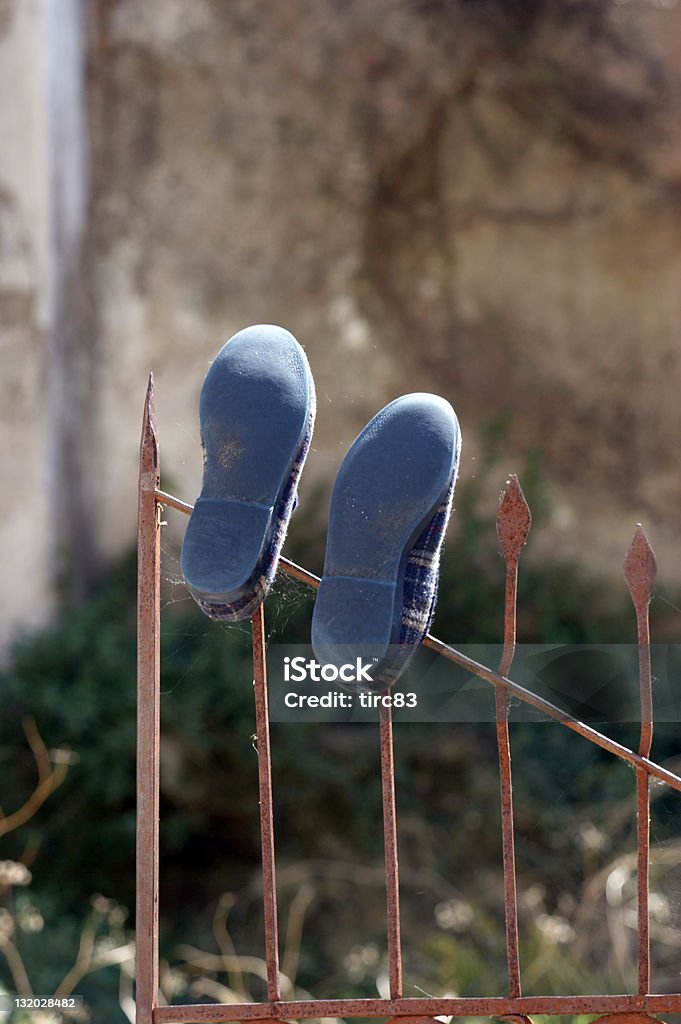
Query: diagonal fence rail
[513, 524]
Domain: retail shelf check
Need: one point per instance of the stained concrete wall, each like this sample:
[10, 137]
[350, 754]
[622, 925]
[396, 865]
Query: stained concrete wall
[426, 207]
[26, 529]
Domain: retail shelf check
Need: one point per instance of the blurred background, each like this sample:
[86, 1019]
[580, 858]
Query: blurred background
[480, 198]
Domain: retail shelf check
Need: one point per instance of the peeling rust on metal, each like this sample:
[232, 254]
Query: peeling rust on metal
[514, 520]
[391, 861]
[262, 726]
[640, 570]
[148, 714]
[418, 1019]
[422, 1008]
[627, 1018]
[513, 526]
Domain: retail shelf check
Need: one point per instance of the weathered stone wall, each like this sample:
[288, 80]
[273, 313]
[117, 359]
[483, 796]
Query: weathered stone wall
[476, 199]
[26, 533]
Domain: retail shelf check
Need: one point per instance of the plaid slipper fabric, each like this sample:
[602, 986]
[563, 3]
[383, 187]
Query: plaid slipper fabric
[389, 511]
[257, 412]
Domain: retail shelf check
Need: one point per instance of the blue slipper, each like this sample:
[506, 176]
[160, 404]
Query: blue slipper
[389, 511]
[257, 411]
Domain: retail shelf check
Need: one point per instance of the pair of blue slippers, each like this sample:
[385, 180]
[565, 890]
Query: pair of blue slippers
[387, 519]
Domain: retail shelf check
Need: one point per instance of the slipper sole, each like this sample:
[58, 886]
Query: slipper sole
[393, 488]
[256, 411]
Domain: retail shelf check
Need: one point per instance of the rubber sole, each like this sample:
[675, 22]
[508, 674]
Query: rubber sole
[256, 411]
[394, 480]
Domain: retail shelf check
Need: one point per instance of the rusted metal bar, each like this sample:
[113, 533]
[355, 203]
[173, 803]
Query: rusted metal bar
[626, 1018]
[430, 1007]
[640, 570]
[545, 706]
[262, 725]
[172, 502]
[391, 861]
[416, 1019]
[490, 676]
[148, 715]
[513, 526]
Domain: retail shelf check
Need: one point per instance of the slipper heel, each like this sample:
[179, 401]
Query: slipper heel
[352, 619]
[224, 545]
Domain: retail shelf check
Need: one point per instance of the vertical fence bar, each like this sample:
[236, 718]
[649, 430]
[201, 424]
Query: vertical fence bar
[262, 723]
[148, 708]
[391, 861]
[640, 571]
[513, 525]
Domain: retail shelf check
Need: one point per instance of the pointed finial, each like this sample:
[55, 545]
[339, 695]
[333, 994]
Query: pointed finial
[149, 420]
[149, 443]
[640, 569]
[514, 520]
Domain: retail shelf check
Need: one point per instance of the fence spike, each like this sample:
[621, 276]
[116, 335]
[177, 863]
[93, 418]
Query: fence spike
[514, 520]
[391, 858]
[149, 442]
[640, 569]
[269, 884]
[148, 715]
[513, 525]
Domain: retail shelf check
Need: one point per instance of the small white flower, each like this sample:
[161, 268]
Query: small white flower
[454, 915]
[118, 916]
[30, 920]
[592, 838]
[173, 983]
[101, 904]
[534, 896]
[359, 959]
[13, 873]
[63, 755]
[555, 929]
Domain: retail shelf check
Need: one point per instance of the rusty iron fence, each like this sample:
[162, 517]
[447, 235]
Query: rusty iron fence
[513, 525]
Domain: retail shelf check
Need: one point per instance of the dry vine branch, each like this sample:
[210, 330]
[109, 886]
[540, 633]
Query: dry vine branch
[224, 941]
[16, 968]
[52, 768]
[198, 958]
[50, 777]
[109, 958]
[294, 930]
